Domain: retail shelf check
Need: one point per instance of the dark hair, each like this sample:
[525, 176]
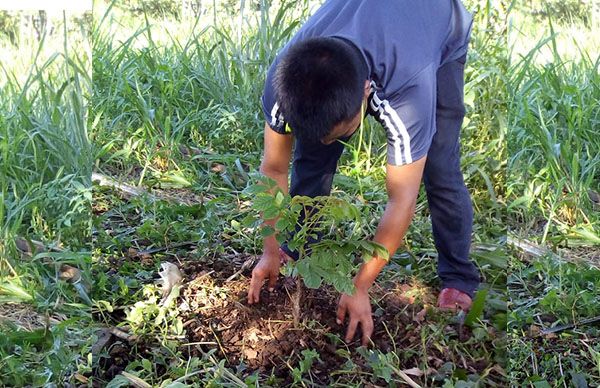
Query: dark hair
[319, 83]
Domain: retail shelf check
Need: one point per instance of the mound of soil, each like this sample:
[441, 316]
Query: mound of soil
[263, 337]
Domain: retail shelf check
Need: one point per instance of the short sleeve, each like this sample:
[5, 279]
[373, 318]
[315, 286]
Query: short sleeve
[461, 23]
[408, 117]
[270, 107]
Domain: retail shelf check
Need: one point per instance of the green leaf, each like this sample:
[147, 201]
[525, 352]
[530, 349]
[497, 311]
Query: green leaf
[282, 224]
[262, 202]
[309, 356]
[256, 189]
[249, 220]
[10, 291]
[175, 180]
[40, 337]
[496, 257]
[381, 251]
[270, 213]
[343, 285]
[310, 278]
[578, 380]
[279, 197]
[147, 364]
[267, 231]
[477, 307]
[542, 384]
[366, 247]
[118, 381]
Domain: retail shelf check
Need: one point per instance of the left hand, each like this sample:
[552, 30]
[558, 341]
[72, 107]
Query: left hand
[358, 307]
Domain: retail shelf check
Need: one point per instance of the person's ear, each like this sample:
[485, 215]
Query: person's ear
[367, 88]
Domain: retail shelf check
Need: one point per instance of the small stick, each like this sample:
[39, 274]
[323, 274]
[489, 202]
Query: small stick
[135, 381]
[560, 328]
[405, 377]
[296, 301]
[161, 249]
[199, 343]
[123, 335]
[219, 343]
[247, 264]
[529, 247]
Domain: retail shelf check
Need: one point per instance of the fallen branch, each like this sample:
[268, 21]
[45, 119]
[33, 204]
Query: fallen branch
[132, 191]
[246, 265]
[107, 181]
[135, 381]
[106, 338]
[538, 251]
[569, 326]
[530, 248]
[123, 335]
[167, 248]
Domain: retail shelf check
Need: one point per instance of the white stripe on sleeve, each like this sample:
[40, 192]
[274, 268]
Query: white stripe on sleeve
[397, 129]
[274, 115]
[401, 128]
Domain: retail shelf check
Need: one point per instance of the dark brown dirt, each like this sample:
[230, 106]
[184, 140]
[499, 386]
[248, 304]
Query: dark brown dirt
[263, 336]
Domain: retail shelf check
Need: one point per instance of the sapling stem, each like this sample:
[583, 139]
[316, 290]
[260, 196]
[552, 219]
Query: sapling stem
[296, 299]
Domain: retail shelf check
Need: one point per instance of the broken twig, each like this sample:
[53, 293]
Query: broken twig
[557, 329]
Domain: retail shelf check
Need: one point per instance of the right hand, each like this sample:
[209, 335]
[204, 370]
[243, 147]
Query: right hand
[267, 268]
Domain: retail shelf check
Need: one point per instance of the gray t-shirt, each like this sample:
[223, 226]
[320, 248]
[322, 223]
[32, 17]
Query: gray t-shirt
[403, 43]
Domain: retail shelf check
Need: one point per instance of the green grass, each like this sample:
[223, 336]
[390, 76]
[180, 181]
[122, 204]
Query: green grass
[554, 163]
[553, 177]
[45, 164]
[554, 150]
[544, 293]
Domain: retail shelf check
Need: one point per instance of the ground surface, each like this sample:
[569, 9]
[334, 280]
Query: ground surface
[261, 339]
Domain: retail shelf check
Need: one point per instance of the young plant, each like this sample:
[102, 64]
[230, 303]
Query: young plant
[327, 233]
[305, 365]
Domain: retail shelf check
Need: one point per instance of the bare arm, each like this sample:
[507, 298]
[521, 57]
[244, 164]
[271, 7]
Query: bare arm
[275, 164]
[403, 187]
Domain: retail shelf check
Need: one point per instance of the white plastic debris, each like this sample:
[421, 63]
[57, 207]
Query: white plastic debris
[170, 276]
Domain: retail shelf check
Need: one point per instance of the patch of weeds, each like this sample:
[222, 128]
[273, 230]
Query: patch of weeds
[546, 293]
[153, 315]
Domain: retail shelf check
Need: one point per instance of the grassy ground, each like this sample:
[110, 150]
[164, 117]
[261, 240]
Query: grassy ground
[552, 191]
[179, 117]
[45, 195]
